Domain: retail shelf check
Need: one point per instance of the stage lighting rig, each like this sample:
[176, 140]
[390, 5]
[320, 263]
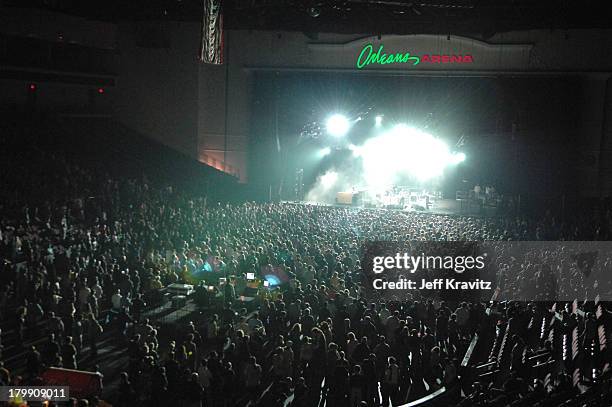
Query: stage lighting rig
[314, 12]
[314, 8]
[338, 125]
[405, 150]
[324, 152]
[458, 158]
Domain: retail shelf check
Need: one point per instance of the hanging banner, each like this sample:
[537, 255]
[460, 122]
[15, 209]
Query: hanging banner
[211, 41]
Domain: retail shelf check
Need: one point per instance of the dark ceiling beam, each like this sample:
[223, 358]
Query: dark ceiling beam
[354, 16]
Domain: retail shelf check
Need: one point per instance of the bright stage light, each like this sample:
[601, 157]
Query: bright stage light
[324, 151]
[329, 179]
[458, 158]
[378, 120]
[355, 149]
[404, 151]
[402, 128]
[338, 125]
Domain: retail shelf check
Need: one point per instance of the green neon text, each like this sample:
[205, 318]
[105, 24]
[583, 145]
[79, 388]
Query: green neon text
[367, 57]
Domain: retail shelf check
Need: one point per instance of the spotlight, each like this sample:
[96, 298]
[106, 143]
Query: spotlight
[378, 120]
[356, 150]
[324, 151]
[458, 158]
[329, 179]
[404, 150]
[337, 125]
[401, 128]
[314, 12]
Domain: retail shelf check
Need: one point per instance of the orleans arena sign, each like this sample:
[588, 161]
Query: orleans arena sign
[368, 56]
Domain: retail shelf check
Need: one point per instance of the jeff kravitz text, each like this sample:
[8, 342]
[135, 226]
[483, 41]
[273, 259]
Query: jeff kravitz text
[436, 284]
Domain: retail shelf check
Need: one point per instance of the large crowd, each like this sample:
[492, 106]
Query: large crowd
[77, 245]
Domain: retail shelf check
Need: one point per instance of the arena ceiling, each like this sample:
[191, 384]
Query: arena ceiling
[482, 17]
